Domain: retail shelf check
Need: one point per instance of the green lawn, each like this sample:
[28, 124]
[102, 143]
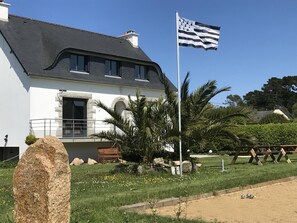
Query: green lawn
[96, 195]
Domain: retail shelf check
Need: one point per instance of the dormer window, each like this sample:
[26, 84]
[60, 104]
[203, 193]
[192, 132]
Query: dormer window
[141, 72]
[79, 63]
[112, 68]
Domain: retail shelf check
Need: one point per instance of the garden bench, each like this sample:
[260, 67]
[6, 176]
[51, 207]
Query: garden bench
[108, 155]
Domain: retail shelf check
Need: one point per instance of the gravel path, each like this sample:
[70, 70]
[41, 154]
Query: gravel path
[272, 203]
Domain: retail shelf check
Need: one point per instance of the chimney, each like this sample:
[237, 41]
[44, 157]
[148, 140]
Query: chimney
[4, 11]
[132, 37]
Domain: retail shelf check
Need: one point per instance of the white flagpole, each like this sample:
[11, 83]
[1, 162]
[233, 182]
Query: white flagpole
[179, 98]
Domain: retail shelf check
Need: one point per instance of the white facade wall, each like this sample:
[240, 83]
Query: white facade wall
[46, 103]
[14, 97]
[44, 94]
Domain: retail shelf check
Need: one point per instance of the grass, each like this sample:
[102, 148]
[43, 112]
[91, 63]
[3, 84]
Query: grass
[96, 195]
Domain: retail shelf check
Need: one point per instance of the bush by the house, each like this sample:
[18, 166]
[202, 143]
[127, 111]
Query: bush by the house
[30, 139]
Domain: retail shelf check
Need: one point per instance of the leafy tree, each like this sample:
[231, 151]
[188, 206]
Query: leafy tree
[234, 100]
[257, 100]
[276, 93]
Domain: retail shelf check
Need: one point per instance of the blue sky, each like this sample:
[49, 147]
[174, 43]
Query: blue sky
[258, 37]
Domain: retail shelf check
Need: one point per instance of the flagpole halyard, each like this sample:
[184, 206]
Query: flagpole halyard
[179, 97]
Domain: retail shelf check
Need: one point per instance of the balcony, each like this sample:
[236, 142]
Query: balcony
[70, 130]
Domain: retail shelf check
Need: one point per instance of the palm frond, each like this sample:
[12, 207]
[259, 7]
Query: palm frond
[185, 88]
[110, 111]
[205, 93]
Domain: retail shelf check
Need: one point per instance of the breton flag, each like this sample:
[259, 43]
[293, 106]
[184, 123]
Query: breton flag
[196, 34]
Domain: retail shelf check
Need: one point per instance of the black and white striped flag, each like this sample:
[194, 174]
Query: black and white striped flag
[196, 34]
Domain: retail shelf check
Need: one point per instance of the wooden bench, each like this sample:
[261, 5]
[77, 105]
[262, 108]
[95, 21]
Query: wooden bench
[106, 155]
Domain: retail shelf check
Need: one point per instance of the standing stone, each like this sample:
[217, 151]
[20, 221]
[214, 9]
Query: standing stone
[41, 183]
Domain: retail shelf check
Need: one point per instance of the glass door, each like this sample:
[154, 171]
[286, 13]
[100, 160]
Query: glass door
[74, 117]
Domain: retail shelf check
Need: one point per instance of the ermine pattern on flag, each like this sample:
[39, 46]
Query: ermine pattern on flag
[196, 34]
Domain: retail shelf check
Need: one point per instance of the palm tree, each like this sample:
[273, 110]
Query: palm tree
[213, 127]
[153, 124]
[201, 122]
[142, 135]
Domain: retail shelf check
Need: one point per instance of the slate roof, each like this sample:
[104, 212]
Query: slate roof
[37, 45]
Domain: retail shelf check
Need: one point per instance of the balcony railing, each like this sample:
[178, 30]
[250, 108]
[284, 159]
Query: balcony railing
[68, 128]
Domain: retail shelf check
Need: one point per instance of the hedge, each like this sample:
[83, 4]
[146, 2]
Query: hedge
[273, 134]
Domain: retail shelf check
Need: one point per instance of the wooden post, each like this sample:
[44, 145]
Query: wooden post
[282, 152]
[235, 156]
[254, 156]
[268, 152]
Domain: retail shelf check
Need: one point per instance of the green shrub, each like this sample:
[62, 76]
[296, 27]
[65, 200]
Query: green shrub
[262, 134]
[30, 139]
[266, 134]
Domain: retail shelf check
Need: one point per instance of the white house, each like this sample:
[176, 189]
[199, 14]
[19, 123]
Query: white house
[51, 75]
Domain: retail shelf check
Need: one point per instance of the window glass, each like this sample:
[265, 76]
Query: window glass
[74, 117]
[112, 68]
[73, 59]
[140, 72]
[107, 67]
[79, 63]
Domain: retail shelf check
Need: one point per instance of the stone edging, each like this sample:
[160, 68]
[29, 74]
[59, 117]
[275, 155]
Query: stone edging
[173, 201]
